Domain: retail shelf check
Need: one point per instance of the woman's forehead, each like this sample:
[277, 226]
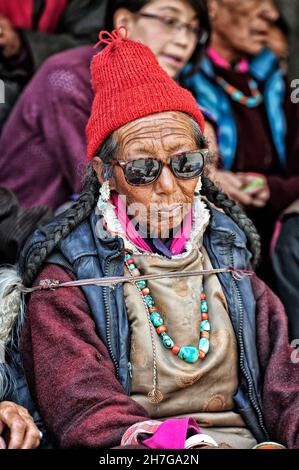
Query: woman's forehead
[155, 126]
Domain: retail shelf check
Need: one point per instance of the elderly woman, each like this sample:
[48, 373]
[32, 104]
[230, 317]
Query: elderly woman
[151, 321]
[58, 100]
[242, 85]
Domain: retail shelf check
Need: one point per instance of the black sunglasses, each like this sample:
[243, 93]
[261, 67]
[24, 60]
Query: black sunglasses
[143, 171]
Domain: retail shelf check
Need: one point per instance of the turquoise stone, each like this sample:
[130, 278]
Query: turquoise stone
[189, 354]
[141, 284]
[204, 306]
[251, 103]
[205, 325]
[238, 95]
[127, 256]
[204, 345]
[132, 266]
[156, 319]
[167, 341]
[149, 300]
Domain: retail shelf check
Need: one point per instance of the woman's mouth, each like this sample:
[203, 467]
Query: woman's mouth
[173, 60]
[170, 211]
[261, 35]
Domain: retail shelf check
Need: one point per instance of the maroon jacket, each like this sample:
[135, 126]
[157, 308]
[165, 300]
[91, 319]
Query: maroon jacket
[73, 380]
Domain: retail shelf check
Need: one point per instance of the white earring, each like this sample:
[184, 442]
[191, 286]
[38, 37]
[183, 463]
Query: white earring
[104, 195]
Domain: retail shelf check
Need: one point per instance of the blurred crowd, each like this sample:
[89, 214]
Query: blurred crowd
[239, 71]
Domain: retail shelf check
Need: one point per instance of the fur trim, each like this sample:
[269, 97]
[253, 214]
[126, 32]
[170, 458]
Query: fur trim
[12, 310]
[200, 220]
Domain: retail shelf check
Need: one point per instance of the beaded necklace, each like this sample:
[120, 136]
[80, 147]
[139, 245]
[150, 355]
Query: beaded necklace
[189, 354]
[237, 95]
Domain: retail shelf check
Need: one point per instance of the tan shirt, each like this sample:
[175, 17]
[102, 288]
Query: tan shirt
[205, 389]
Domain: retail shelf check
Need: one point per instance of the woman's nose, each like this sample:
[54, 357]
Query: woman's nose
[270, 11]
[181, 37]
[166, 182]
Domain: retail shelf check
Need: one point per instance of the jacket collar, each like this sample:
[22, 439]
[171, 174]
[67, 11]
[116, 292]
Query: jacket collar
[91, 239]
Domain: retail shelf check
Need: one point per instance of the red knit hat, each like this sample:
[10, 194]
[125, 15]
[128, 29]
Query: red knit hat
[129, 84]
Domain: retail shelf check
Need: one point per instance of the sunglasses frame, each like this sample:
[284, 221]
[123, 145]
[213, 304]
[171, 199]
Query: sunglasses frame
[123, 164]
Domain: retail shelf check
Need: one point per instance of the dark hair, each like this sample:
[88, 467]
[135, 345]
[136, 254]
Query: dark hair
[199, 6]
[88, 199]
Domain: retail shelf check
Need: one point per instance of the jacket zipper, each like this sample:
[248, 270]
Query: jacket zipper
[241, 344]
[108, 314]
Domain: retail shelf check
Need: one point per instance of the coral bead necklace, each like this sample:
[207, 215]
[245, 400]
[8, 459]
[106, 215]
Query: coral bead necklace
[250, 101]
[189, 354]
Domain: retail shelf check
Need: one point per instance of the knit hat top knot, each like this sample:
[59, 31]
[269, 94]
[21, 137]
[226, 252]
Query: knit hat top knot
[129, 84]
[115, 36]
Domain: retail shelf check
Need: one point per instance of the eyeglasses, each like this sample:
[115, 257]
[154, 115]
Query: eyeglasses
[143, 171]
[172, 25]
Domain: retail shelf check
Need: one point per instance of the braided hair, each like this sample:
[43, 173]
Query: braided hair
[222, 201]
[82, 209]
[70, 219]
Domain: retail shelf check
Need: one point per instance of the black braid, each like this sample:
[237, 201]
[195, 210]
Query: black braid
[71, 218]
[222, 201]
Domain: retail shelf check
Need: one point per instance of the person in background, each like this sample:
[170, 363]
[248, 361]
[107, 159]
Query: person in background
[32, 30]
[58, 100]
[241, 83]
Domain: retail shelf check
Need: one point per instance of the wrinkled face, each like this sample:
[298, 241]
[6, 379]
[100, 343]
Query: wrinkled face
[161, 206]
[242, 25]
[172, 48]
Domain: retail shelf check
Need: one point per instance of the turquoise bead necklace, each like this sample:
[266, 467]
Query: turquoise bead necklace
[189, 354]
[237, 95]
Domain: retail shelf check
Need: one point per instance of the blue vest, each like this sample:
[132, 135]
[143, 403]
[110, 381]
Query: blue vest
[209, 95]
[91, 256]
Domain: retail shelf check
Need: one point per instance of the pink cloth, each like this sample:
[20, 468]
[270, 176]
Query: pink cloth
[277, 230]
[172, 434]
[242, 66]
[178, 243]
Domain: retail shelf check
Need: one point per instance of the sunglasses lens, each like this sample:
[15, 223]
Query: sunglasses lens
[142, 171]
[187, 165]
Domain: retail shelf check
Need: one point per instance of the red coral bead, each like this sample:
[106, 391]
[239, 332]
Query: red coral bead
[205, 334]
[176, 349]
[130, 261]
[201, 354]
[203, 296]
[161, 329]
[204, 316]
[145, 291]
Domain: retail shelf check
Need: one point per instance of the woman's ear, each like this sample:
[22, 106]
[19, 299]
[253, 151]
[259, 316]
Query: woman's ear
[100, 170]
[124, 17]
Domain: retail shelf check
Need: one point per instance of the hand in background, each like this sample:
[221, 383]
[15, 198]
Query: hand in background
[23, 433]
[255, 185]
[231, 184]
